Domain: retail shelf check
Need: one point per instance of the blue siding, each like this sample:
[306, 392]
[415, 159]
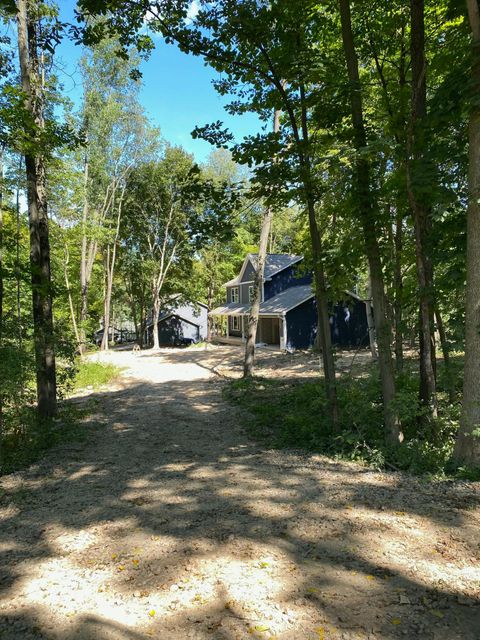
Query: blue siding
[348, 324]
[346, 329]
[173, 330]
[302, 325]
[289, 277]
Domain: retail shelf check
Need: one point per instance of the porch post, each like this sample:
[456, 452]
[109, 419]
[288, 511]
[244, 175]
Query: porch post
[283, 332]
[228, 327]
[243, 328]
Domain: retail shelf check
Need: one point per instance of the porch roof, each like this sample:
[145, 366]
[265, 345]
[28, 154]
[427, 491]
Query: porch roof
[276, 306]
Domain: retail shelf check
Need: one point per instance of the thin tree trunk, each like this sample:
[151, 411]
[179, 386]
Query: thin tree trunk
[371, 322]
[249, 360]
[105, 344]
[70, 301]
[38, 221]
[1, 292]
[446, 356]
[323, 319]
[110, 270]
[17, 261]
[398, 281]
[467, 446]
[84, 279]
[155, 318]
[366, 214]
[421, 211]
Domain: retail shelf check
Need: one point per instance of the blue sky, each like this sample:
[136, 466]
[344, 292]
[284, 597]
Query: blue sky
[176, 93]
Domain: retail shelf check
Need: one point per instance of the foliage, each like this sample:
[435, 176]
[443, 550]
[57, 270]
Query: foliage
[293, 414]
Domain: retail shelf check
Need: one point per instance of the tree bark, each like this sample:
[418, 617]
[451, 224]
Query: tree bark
[421, 211]
[17, 261]
[155, 317]
[84, 271]
[467, 446]
[371, 322]
[249, 360]
[1, 292]
[366, 215]
[398, 283]
[70, 301]
[446, 356]
[38, 219]
[110, 268]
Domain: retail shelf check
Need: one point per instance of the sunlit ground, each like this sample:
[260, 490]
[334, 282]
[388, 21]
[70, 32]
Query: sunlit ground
[170, 524]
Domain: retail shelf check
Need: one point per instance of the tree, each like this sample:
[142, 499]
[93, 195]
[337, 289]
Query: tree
[366, 212]
[467, 448]
[31, 76]
[258, 279]
[421, 208]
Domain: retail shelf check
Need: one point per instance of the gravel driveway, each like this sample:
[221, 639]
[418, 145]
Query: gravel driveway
[170, 523]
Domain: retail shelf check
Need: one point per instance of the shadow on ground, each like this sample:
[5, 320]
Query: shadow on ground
[170, 523]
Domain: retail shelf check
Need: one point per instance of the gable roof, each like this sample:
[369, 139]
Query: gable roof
[274, 263]
[276, 306]
[181, 310]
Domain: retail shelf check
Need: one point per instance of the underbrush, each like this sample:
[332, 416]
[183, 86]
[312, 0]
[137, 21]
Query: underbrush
[294, 414]
[23, 437]
[90, 374]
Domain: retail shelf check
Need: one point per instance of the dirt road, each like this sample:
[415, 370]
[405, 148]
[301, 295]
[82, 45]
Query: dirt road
[169, 523]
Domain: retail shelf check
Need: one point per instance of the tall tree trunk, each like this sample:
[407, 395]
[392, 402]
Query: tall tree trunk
[84, 275]
[1, 292]
[371, 322]
[110, 269]
[70, 301]
[421, 211]
[467, 446]
[398, 283]
[155, 318]
[249, 360]
[107, 299]
[446, 356]
[38, 219]
[366, 214]
[323, 319]
[17, 260]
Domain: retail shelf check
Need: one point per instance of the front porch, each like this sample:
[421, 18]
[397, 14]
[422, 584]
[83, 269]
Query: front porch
[232, 329]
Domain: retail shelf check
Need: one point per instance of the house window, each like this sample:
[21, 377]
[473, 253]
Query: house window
[250, 293]
[235, 323]
[234, 294]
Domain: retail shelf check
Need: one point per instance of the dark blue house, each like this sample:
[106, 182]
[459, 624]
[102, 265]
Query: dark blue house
[180, 323]
[288, 313]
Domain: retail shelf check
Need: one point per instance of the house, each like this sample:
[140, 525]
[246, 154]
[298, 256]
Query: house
[180, 322]
[288, 313]
[118, 334]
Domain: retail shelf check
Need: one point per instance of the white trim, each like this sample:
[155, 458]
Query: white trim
[237, 289]
[235, 320]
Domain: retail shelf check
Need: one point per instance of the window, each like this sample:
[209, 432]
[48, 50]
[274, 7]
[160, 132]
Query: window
[234, 294]
[235, 323]
[250, 293]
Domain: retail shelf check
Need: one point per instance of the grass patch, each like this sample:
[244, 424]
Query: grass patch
[94, 374]
[285, 413]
